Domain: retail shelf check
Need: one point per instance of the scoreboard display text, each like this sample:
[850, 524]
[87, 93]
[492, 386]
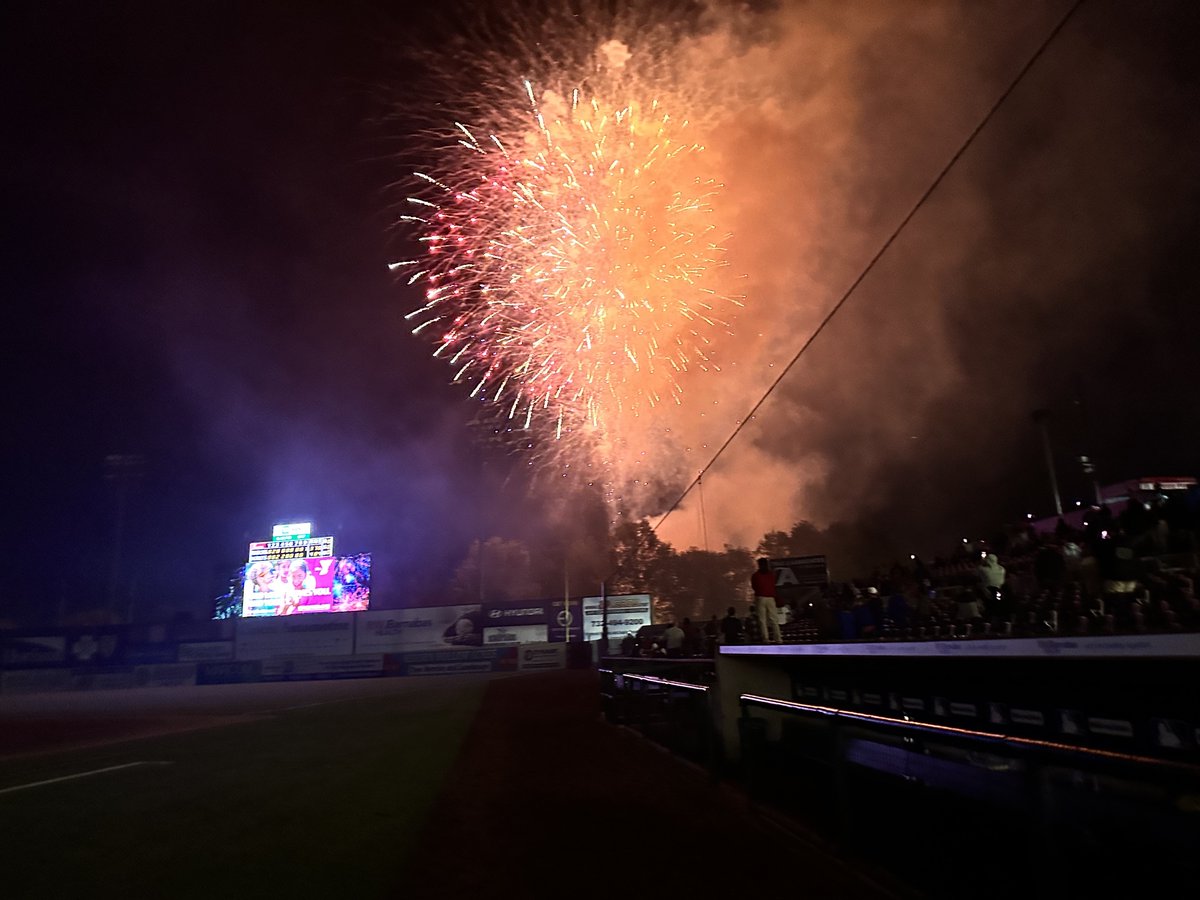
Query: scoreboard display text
[270, 551]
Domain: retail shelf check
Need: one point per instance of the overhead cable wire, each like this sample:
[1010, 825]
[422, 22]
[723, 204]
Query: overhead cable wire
[970, 139]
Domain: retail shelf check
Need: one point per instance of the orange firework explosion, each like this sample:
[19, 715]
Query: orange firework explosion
[571, 260]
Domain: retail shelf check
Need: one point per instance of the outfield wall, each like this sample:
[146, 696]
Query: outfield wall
[380, 643]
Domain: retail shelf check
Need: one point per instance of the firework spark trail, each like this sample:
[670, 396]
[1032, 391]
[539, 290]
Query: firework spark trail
[572, 259]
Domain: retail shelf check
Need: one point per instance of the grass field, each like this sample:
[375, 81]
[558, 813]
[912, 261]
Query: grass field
[314, 789]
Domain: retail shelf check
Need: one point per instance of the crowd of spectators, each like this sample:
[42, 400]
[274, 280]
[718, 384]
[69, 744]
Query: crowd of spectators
[1118, 573]
[1131, 571]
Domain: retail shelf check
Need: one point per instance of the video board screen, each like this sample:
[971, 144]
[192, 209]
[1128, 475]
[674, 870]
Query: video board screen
[316, 584]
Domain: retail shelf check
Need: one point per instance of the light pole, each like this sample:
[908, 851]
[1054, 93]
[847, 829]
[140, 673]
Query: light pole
[1040, 417]
[603, 619]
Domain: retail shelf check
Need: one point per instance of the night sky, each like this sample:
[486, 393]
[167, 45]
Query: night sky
[200, 206]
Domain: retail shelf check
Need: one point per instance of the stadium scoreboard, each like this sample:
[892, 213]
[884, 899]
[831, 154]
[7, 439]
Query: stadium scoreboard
[270, 551]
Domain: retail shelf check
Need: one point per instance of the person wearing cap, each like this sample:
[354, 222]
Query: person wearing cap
[762, 583]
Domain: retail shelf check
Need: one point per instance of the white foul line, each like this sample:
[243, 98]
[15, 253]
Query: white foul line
[33, 784]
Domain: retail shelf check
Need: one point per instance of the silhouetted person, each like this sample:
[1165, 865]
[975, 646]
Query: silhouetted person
[762, 582]
[629, 646]
[1049, 567]
[691, 638]
[712, 630]
[673, 638]
[731, 628]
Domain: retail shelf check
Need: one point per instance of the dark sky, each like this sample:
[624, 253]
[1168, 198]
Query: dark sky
[197, 233]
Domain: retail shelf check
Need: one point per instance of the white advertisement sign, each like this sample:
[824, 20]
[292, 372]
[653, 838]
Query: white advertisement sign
[626, 614]
[165, 675]
[542, 656]
[434, 627]
[307, 667]
[317, 634]
[206, 651]
[515, 634]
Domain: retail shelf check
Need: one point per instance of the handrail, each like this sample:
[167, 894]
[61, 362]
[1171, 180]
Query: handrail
[907, 724]
[654, 679]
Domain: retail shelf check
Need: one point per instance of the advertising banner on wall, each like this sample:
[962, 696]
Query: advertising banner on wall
[566, 621]
[103, 646]
[32, 651]
[243, 672]
[205, 651]
[516, 614]
[35, 681]
[308, 668]
[626, 614]
[541, 656]
[454, 662]
[514, 634]
[318, 634]
[166, 675]
[151, 654]
[434, 627]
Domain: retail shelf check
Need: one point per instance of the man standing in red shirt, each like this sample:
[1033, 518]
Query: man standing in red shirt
[762, 583]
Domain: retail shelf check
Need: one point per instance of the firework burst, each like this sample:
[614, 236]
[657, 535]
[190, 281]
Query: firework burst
[572, 259]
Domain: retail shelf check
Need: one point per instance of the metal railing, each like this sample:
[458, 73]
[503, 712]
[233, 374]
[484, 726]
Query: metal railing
[852, 774]
[675, 714]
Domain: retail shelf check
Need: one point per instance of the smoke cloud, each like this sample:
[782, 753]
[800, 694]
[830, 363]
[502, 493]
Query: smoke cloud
[1024, 273]
[201, 279]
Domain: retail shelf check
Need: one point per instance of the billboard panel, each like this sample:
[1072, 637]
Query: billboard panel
[244, 672]
[626, 614]
[319, 584]
[165, 675]
[801, 571]
[566, 621]
[35, 681]
[206, 651]
[454, 662]
[515, 634]
[510, 614]
[543, 656]
[310, 668]
[101, 646]
[800, 581]
[33, 651]
[434, 627]
[322, 634]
